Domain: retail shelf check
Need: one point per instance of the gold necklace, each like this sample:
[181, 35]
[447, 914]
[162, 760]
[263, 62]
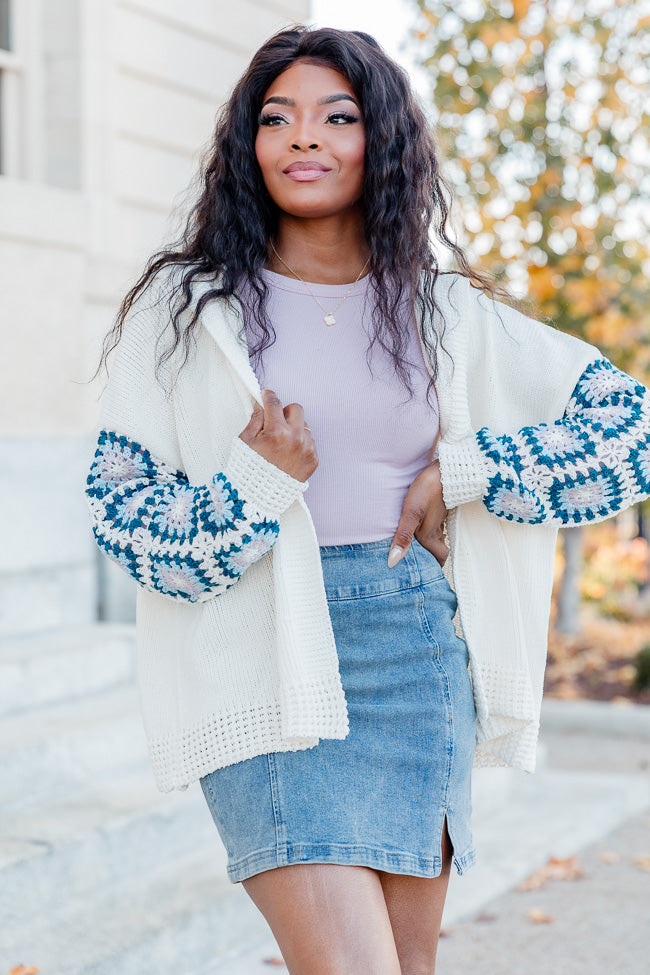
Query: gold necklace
[329, 315]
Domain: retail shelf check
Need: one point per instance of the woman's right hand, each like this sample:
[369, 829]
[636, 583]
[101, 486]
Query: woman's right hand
[281, 436]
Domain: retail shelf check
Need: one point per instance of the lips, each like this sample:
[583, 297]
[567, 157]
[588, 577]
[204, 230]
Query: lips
[307, 165]
[305, 171]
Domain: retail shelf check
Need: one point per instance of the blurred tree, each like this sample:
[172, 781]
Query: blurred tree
[543, 114]
[542, 109]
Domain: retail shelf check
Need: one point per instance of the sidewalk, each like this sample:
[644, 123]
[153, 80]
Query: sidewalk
[589, 805]
[596, 924]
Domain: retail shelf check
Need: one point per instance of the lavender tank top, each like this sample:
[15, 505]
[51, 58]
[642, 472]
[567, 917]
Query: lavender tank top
[371, 439]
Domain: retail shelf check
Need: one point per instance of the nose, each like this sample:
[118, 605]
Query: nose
[304, 145]
[302, 137]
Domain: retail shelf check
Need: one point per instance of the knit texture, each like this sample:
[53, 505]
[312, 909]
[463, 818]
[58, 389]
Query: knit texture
[184, 541]
[235, 651]
[464, 471]
[585, 467]
[593, 462]
[506, 381]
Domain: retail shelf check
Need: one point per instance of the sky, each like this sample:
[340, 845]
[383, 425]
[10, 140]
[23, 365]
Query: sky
[387, 20]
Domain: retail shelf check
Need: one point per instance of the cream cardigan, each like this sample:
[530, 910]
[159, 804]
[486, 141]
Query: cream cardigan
[251, 666]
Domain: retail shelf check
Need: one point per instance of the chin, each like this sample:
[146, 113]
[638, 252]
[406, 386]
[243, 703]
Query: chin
[314, 208]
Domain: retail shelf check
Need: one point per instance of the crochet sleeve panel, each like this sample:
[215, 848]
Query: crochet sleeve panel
[191, 543]
[585, 467]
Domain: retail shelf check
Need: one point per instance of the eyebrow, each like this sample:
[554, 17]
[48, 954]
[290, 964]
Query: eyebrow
[327, 100]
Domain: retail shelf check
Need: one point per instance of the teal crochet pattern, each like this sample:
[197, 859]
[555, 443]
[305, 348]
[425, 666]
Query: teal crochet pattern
[586, 466]
[190, 543]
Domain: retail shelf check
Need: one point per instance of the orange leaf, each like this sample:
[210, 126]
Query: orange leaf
[24, 970]
[485, 916]
[643, 863]
[538, 916]
[521, 8]
[554, 869]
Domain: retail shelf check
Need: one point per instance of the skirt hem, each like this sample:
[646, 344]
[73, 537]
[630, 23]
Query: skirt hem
[348, 855]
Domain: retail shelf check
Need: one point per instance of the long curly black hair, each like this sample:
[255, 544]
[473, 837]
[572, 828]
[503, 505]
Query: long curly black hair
[405, 198]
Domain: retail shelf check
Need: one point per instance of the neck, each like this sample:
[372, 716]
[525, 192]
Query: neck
[327, 250]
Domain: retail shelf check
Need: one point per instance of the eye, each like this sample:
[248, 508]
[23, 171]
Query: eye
[270, 119]
[341, 118]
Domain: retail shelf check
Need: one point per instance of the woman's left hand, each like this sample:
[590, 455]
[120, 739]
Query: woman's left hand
[423, 516]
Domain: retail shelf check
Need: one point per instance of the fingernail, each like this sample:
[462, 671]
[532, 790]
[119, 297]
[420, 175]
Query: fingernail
[394, 556]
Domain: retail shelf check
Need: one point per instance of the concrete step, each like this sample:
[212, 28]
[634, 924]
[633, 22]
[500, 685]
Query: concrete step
[59, 664]
[97, 845]
[179, 919]
[620, 720]
[153, 898]
[50, 750]
[87, 841]
[492, 788]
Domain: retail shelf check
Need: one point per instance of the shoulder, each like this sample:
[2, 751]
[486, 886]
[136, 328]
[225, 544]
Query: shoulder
[162, 309]
[459, 310]
[456, 297]
[498, 346]
[491, 323]
[154, 301]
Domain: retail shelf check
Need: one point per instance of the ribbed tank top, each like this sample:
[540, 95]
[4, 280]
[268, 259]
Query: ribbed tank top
[371, 440]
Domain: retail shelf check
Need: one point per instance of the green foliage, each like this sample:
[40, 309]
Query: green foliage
[642, 663]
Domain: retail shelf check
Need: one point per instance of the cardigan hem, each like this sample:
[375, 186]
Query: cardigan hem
[507, 724]
[222, 739]
[515, 749]
[315, 709]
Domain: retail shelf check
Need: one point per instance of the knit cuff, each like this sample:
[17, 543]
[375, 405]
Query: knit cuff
[464, 471]
[266, 487]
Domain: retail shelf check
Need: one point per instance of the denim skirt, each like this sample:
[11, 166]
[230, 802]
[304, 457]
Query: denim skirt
[379, 797]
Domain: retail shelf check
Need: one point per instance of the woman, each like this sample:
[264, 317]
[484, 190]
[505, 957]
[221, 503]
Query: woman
[299, 646]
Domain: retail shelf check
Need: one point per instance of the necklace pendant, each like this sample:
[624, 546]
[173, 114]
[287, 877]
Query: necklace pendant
[329, 319]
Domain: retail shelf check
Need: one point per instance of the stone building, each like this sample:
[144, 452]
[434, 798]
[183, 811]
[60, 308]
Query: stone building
[104, 109]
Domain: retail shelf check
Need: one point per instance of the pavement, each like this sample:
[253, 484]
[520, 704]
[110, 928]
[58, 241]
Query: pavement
[595, 924]
[589, 808]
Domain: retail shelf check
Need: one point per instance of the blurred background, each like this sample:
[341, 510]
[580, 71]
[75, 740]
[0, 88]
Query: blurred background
[541, 110]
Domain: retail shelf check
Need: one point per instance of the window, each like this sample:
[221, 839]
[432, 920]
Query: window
[40, 91]
[8, 92]
[5, 37]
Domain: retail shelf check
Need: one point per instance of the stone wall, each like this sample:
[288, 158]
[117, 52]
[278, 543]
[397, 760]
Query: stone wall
[110, 105]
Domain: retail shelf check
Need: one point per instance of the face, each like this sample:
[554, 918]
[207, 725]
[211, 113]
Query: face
[311, 141]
